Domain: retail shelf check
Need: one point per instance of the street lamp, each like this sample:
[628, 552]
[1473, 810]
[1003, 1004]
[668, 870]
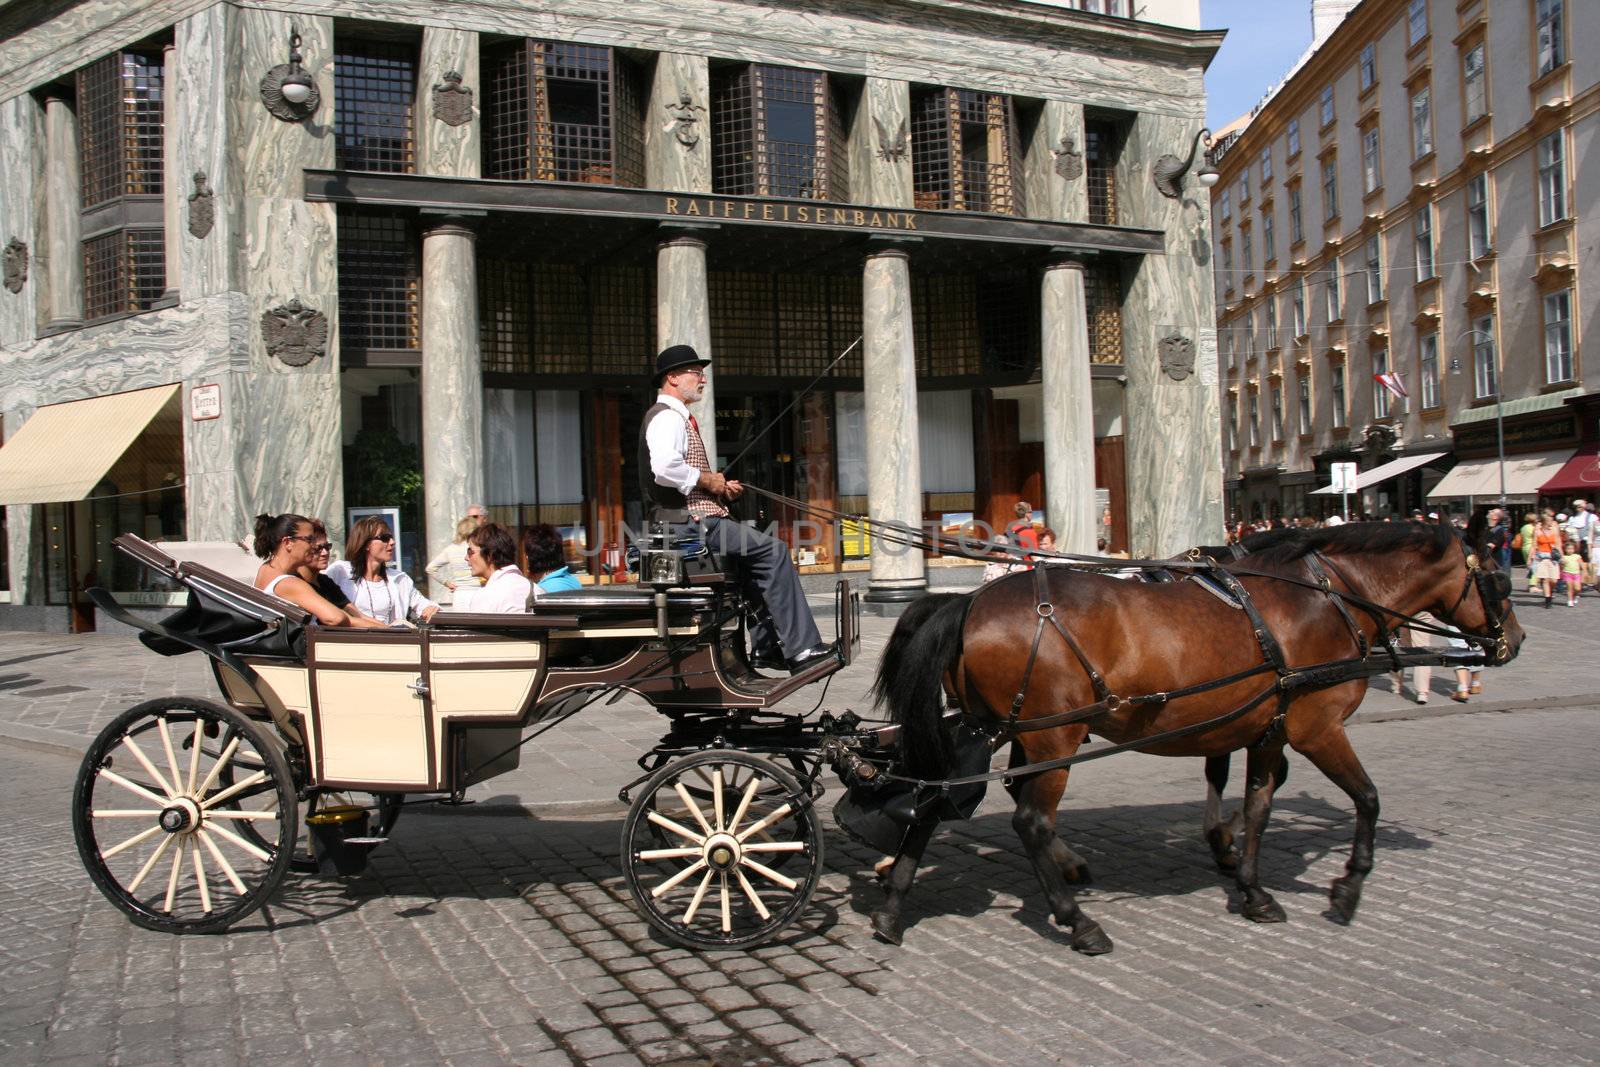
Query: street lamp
[287, 90]
[1168, 171]
[1499, 399]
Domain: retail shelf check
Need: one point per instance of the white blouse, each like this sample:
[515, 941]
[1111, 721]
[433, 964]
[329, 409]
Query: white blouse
[505, 593]
[391, 600]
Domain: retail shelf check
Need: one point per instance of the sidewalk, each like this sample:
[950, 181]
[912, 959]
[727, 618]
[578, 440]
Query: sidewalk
[57, 691]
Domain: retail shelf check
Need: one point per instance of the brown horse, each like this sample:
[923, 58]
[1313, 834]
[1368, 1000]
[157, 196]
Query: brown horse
[1147, 638]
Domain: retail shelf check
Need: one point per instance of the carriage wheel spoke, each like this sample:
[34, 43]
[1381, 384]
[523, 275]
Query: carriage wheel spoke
[756, 828]
[677, 828]
[222, 862]
[229, 835]
[699, 895]
[216, 769]
[651, 854]
[744, 802]
[126, 813]
[253, 816]
[727, 912]
[716, 795]
[149, 864]
[144, 761]
[132, 787]
[770, 874]
[777, 846]
[694, 809]
[142, 835]
[200, 877]
[755, 898]
[236, 788]
[677, 878]
[172, 879]
[172, 754]
[194, 755]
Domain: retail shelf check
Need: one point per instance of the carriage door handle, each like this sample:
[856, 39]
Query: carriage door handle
[418, 687]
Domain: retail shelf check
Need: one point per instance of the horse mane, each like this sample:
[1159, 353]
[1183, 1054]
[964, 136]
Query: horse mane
[1354, 538]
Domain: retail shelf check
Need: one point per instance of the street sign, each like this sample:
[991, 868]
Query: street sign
[205, 402]
[1344, 477]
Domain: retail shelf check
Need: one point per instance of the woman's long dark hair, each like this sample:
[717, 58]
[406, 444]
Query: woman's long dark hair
[272, 530]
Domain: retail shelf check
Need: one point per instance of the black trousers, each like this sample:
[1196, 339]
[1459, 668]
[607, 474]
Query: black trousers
[762, 565]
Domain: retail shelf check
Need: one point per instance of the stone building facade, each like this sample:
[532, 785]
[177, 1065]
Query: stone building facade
[1410, 202]
[439, 279]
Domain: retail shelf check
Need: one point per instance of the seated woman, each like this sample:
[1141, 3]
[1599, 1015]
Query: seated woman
[365, 578]
[492, 555]
[284, 543]
[314, 571]
[544, 558]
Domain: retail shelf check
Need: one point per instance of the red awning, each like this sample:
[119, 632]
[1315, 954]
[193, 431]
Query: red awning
[1578, 476]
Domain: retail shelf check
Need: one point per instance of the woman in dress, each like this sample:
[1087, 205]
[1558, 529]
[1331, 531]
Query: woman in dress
[449, 570]
[1547, 555]
[285, 544]
[390, 598]
[544, 560]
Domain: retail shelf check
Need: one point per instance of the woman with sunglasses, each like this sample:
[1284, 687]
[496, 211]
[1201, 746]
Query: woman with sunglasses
[285, 544]
[314, 571]
[364, 576]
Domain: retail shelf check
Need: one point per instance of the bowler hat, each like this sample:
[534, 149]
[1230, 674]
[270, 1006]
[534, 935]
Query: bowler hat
[676, 357]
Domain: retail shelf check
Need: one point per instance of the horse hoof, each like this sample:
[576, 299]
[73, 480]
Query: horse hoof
[1344, 896]
[1089, 939]
[1265, 911]
[888, 928]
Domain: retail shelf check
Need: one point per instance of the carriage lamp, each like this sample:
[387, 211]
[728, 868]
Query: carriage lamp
[662, 566]
[1169, 170]
[287, 90]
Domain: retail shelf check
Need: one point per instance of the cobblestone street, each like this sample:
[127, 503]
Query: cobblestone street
[503, 932]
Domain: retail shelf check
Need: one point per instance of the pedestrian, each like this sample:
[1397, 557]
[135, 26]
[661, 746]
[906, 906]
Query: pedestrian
[449, 568]
[492, 553]
[1021, 530]
[1524, 541]
[390, 598]
[478, 514]
[1546, 551]
[1572, 571]
[1469, 680]
[544, 560]
[1047, 540]
[1499, 537]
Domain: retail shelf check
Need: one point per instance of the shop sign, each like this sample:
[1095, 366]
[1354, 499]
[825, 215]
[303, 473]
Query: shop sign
[205, 403]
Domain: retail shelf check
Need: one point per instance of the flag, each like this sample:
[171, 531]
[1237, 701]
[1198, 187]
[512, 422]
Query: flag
[1390, 380]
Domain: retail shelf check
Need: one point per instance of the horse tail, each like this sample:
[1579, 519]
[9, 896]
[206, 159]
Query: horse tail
[925, 645]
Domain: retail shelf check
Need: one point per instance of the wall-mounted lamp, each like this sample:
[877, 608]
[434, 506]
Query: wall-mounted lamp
[1169, 169]
[287, 90]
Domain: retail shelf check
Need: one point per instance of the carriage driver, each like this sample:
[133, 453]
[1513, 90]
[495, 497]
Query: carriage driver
[684, 492]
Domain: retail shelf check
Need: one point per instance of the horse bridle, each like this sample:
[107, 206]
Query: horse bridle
[1484, 581]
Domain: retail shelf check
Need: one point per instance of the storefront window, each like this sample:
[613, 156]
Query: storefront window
[383, 454]
[534, 471]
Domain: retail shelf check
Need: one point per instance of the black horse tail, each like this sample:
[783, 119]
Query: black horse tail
[925, 645]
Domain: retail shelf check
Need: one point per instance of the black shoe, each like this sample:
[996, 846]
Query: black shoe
[810, 657]
[769, 661]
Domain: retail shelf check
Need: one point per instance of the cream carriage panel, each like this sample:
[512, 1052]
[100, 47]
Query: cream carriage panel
[373, 727]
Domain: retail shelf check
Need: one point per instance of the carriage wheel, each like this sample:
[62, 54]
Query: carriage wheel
[179, 811]
[715, 883]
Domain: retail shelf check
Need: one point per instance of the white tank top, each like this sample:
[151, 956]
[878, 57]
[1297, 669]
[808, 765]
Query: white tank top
[272, 585]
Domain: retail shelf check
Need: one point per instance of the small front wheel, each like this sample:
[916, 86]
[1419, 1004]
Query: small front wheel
[185, 815]
[702, 847]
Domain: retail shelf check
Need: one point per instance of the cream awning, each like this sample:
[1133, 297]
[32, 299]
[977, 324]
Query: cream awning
[1525, 473]
[64, 450]
[1383, 472]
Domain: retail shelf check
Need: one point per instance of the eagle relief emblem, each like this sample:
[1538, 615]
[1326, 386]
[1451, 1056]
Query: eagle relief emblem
[294, 333]
[202, 206]
[452, 101]
[16, 265]
[685, 123]
[891, 149]
[1177, 356]
[1069, 161]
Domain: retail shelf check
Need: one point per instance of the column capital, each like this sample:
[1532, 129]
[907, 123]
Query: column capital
[879, 245]
[459, 223]
[684, 234]
[1057, 258]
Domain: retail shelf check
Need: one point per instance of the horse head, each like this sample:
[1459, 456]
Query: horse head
[1483, 608]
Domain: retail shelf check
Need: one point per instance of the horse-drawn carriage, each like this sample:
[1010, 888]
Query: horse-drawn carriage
[189, 813]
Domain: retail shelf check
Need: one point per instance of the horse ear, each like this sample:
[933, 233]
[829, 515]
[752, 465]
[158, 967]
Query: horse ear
[1477, 530]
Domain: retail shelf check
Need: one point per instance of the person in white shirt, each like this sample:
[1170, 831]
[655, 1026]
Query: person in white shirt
[492, 555]
[364, 576]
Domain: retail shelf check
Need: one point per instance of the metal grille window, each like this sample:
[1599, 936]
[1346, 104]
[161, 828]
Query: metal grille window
[556, 111]
[777, 131]
[380, 279]
[559, 319]
[965, 152]
[969, 324]
[120, 160]
[1102, 146]
[1102, 293]
[784, 325]
[375, 83]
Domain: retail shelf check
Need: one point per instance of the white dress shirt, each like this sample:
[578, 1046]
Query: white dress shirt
[505, 593]
[390, 600]
[667, 438]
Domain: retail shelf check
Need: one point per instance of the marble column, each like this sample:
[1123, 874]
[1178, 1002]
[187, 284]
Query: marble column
[677, 134]
[1057, 187]
[1174, 461]
[894, 466]
[683, 317]
[205, 143]
[452, 379]
[443, 149]
[23, 217]
[880, 174]
[1068, 407]
[171, 182]
[62, 220]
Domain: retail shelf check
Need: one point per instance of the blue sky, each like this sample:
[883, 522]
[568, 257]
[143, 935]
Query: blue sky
[1264, 39]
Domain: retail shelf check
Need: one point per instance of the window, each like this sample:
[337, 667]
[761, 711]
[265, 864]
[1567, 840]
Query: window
[1305, 400]
[1474, 83]
[1371, 168]
[779, 131]
[1330, 189]
[1270, 310]
[120, 137]
[1421, 122]
[1558, 336]
[1246, 256]
[1428, 376]
[1250, 335]
[1380, 392]
[1549, 34]
[1336, 388]
[1297, 307]
[1325, 113]
[1422, 232]
[1244, 188]
[1230, 425]
[1292, 138]
[1102, 143]
[379, 283]
[1255, 419]
[374, 85]
[1416, 21]
[1227, 204]
[561, 112]
[1269, 243]
[1277, 412]
[1332, 294]
[1297, 226]
[1368, 66]
[1266, 165]
[1227, 264]
[1102, 298]
[1552, 179]
[1485, 362]
[964, 151]
[1478, 242]
[1374, 268]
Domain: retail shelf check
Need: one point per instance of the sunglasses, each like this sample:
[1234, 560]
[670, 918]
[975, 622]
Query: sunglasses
[321, 546]
[384, 537]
